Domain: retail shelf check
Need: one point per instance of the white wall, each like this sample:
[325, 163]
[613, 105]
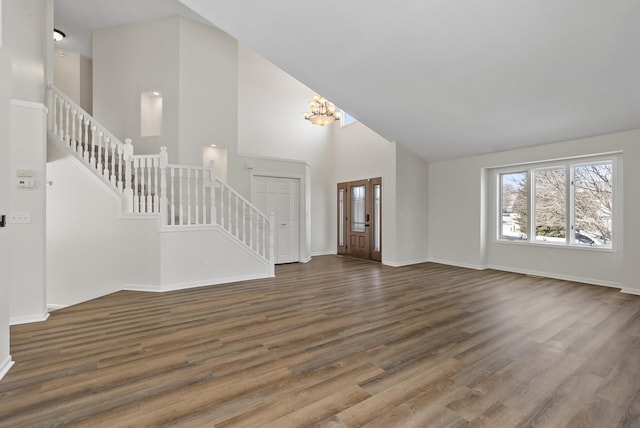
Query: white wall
[219, 157]
[412, 205]
[28, 152]
[271, 125]
[66, 73]
[27, 26]
[27, 38]
[90, 250]
[5, 96]
[630, 224]
[194, 67]
[72, 74]
[86, 84]
[208, 98]
[204, 257]
[455, 209]
[129, 60]
[461, 209]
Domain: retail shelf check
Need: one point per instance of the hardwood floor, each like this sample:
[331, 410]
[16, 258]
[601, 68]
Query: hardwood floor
[336, 342]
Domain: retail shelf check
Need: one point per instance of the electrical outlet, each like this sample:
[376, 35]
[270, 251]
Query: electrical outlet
[17, 218]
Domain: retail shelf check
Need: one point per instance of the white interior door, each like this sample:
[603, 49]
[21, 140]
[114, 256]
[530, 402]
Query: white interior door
[281, 196]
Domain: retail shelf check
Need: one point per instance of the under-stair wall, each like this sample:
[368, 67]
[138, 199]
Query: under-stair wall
[91, 249]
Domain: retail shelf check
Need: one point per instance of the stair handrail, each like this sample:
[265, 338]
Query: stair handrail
[268, 220]
[78, 129]
[84, 113]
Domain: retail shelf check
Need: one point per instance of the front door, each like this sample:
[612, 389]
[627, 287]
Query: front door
[359, 219]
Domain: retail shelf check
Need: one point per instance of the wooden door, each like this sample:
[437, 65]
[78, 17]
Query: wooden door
[360, 219]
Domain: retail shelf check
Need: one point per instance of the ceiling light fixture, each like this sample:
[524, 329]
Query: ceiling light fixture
[322, 112]
[58, 35]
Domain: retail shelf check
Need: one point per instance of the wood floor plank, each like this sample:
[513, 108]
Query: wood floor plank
[336, 342]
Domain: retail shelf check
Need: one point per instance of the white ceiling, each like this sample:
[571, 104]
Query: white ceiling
[444, 78]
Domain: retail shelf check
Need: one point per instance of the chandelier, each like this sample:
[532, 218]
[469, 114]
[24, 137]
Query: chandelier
[322, 112]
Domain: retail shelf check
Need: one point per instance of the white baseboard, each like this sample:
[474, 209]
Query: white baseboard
[633, 291]
[183, 286]
[404, 263]
[323, 253]
[5, 366]
[53, 307]
[458, 264]
[29, 319]
[560, 277]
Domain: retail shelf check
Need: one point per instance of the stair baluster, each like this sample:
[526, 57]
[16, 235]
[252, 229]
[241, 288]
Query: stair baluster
[212, 181]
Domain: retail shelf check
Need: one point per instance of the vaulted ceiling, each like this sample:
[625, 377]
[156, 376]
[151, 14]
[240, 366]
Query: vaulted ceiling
[445, 78]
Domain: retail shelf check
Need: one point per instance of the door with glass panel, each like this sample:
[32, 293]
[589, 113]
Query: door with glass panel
[360, 219]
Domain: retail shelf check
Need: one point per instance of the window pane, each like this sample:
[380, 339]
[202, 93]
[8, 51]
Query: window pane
[513, 205]
[357, 209]
[551, 205]
[341, 218]
[593, 204]
[376, 213]
[347, 119]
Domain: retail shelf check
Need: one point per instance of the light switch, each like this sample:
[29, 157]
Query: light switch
[26, 183]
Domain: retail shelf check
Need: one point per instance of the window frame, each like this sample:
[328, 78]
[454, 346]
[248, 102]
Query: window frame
[569, 164]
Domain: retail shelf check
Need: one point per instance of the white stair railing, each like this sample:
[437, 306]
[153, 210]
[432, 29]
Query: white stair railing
[197, 197]
[184, 196]
[89, 140]
[136, 177]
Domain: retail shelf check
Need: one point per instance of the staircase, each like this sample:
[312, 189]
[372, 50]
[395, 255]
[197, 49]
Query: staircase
[181, 198]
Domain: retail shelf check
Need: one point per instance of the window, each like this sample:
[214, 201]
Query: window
[550, 204]
[593, 206]
[357, 209]
[514, 189]
[377, 213]
[346, 119]
[574, 196]
[341, 202]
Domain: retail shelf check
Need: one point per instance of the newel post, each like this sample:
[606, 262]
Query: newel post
[128, 187]
[164, 205]
[212, 191]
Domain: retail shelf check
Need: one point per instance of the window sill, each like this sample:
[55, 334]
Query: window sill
[552, 245]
